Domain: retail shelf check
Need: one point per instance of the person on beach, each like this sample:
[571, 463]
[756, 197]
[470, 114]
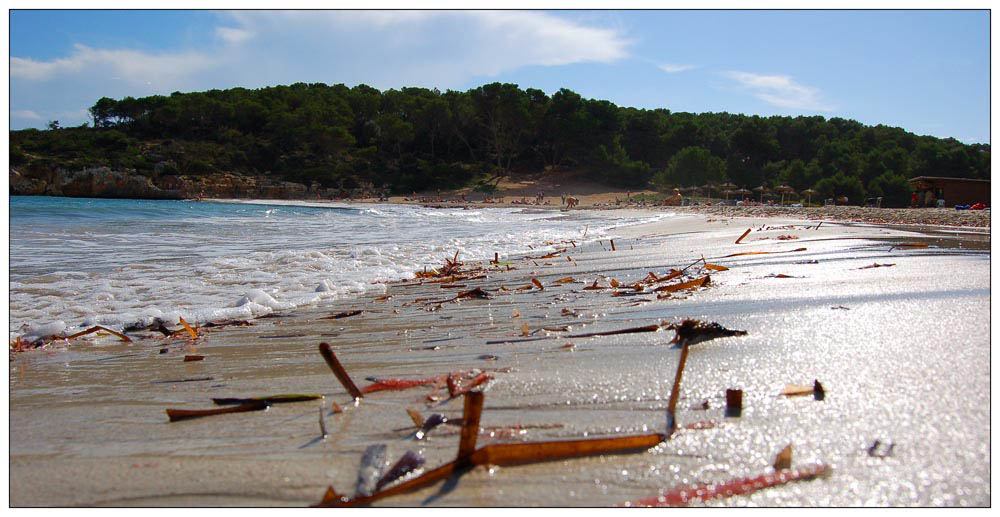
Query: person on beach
[914, 201]
[675, 200]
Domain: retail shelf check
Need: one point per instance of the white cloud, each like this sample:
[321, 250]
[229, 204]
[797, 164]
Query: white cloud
[128, 65]
[385, 49]
[232, 35]
[780, 90]
[455, 45]
[673, 69]
[25, 114]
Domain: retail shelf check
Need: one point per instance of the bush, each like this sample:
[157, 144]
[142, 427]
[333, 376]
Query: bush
[691, 166]
[894, 190]
[17, 156]
[619, 171]
[839, 185]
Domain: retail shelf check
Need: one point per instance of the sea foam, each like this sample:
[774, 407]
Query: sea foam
[149, 260]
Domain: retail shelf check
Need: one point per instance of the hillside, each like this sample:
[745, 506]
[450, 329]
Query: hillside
[305, 140]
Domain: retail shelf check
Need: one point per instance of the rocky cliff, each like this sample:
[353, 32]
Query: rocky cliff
[106, 183]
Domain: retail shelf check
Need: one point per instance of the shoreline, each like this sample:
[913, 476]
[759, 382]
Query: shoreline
[807, 313]
[923, 217]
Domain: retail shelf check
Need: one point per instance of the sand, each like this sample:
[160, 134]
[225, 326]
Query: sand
[902, 350]
[593, 196]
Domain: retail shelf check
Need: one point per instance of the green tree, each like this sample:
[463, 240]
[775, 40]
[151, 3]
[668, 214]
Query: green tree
[503, 111]
[420, 137]
[692, 166]
[894, 190]
[841, 184]
[616, 169]
[561, 129]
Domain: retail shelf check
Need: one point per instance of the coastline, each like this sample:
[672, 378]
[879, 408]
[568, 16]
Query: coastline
[812, 323]
[923, 217]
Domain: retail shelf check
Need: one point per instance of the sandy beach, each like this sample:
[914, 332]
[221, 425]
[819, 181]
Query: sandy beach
[891, 317]
[593, 196]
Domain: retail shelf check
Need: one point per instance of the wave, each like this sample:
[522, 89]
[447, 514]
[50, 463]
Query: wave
[227, 262]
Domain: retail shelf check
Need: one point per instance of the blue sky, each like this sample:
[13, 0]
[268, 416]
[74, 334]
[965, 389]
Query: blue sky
[925, 71]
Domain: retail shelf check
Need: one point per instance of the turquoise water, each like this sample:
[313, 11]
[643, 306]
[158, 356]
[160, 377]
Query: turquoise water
[78, 262]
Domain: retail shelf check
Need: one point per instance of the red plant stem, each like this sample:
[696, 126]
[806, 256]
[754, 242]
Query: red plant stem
[675, 391]
[741, 486]
[470, 426]
[480, 379]
[401, 384]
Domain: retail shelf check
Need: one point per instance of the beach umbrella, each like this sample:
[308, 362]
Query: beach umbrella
[727, 186]
[743, 192]
[784, 189]
[808, 192]
[707, 188]
[690, 190]
[727, 192]
[762, 189]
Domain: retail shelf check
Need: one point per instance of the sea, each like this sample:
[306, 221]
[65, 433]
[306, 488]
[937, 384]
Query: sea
[77, 262]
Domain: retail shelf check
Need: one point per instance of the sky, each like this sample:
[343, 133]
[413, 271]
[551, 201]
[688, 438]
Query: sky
[927, 71]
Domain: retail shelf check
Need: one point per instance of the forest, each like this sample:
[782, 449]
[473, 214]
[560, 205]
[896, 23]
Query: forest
[418, 139]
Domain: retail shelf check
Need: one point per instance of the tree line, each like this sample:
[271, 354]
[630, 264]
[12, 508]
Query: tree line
[417, 139]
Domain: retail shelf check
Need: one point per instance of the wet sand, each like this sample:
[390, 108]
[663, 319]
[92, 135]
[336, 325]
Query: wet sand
[902, 350]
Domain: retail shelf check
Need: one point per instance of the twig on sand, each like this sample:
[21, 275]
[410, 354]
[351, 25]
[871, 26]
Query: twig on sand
[339, 371]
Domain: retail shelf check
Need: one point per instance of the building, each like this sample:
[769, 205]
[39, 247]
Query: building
[954, 191]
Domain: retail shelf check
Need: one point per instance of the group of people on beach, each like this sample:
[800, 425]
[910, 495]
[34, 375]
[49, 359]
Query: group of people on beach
[524, 201]
[930, 199]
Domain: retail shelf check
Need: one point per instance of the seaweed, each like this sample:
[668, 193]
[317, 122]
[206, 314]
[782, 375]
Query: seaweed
[409, 462]
[698, 282]
[501, 454]
[270, 399]
[690, 332]
[418, 419]
[196, 379]
[345, 314]
[763, 252]
[451, 267]
[98, 328]
[632, 330]
[470, 425]
[322, 424]
[708, 491]
[228, 323]
[784, 458]
[401, 384]
[734, 403]
[190, 331]
[875, 265]
[795, 390]
[185, 414]
[426, 426]
[339, 371]
[370, 471]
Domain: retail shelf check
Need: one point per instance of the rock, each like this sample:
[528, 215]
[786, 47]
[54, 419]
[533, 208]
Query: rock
[107, 183]
[93, 182]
